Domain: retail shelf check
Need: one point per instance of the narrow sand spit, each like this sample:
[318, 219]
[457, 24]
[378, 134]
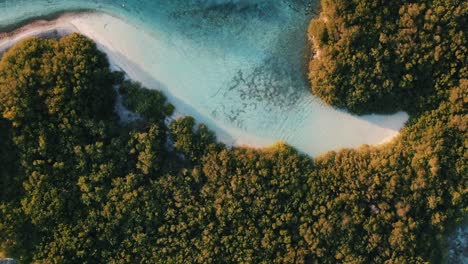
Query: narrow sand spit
[190, 75]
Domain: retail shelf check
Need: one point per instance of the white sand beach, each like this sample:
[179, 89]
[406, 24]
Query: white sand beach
[190, 76]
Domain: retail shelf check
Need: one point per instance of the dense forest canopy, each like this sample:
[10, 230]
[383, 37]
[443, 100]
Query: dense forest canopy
[383, 56]
[78, 186]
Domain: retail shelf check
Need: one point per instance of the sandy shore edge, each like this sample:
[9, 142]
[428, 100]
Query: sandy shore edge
[80, 22]
[63, 24]
[57, 27]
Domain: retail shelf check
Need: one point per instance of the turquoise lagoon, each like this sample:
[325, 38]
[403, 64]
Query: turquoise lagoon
[238, 66]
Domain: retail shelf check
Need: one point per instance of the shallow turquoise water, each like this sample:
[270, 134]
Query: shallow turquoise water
[248, 70]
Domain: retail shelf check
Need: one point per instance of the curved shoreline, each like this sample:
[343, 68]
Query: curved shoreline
[31, 21]
[37, 28]
[313, 138]
[61, 24]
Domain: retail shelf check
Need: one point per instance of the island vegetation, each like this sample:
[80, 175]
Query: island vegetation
[380, 56]
[78, 186]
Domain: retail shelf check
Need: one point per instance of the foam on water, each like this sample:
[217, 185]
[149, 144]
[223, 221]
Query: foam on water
[237, 66]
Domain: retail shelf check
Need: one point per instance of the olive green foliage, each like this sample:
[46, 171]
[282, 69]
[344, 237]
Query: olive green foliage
[383, 56]
[87, 190]
[78, 187]
[9, 183]
[54, 96]
[393, 203]
[144, 101]
[192, 144]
